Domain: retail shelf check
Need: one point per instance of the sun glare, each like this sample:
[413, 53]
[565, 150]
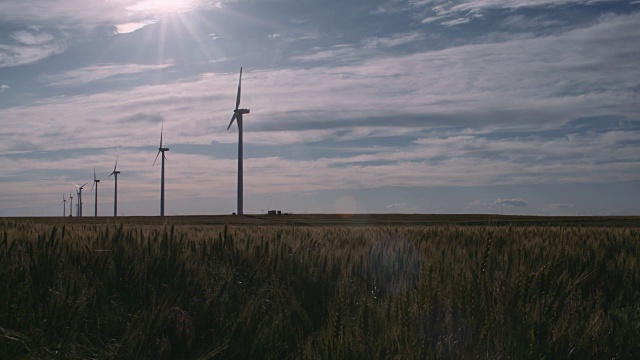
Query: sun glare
[161, 7]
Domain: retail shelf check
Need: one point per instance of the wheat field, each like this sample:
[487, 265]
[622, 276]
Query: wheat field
[123, 290]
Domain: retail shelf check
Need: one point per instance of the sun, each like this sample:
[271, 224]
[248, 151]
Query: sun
[145, 12]
[162, 7]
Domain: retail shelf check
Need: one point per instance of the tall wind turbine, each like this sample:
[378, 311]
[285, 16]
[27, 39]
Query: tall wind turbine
[161, 150]
[71, 205]
[95, 182]
[80, 187]
[64, 206]
[237, 114]
[115, 194]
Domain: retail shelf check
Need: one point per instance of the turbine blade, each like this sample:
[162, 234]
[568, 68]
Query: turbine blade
[76, 185]
[114, 168]
[232, 119]
[154, 161]
[94, 173]
[161, 130]
[94, 182]
[239, 85]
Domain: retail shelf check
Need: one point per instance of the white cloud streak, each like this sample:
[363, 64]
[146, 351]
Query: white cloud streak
[99, 72]
[30, 47]
[512, 202]
[458, 12]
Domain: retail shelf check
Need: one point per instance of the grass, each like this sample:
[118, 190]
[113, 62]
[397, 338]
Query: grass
[90, 290]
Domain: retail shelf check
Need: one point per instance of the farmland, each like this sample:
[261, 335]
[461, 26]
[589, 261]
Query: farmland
[329, 287]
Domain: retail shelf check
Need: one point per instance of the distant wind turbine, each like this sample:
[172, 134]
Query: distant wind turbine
[161, 150]
[80, 187]
[115, 193]
[64, 206]
[95, 182]
[71, 205]
[237, 114]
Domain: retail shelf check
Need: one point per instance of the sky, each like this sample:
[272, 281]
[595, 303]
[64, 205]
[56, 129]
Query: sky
[399, 106]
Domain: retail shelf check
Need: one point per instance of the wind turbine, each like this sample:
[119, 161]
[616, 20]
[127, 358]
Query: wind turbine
[80, 187]
[64, 206]
[95, 182]
[161, 150]
[70, 205]
[115, 194]
[237, 114]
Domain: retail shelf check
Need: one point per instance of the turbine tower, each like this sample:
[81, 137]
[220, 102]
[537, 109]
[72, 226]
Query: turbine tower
[115, 193]
[77, 203]
[80, 187]
[237, 114]
[95, 182]
[161, 150]
[70, 205]
[64, 206]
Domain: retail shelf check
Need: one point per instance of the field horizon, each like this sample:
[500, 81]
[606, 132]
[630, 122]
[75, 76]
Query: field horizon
[346, 219]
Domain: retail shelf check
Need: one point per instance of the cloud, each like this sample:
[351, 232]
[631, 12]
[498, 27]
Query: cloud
[552, 78]
[394, 40]
[483, 87]
[523, 22]
[15, 55]
[455, 22]
[559, 206]
[131, 27]
[464, 11]
[32, 38]
[30, 47]
[512, 202]
[99, 72]
[396, 206]
[4, 87]
[474, 115]
[341, 51]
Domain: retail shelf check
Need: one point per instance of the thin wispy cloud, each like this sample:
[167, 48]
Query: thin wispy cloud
[464, 11]
[512, 202]
[28, 47]
[99, 72]
[32, 38]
